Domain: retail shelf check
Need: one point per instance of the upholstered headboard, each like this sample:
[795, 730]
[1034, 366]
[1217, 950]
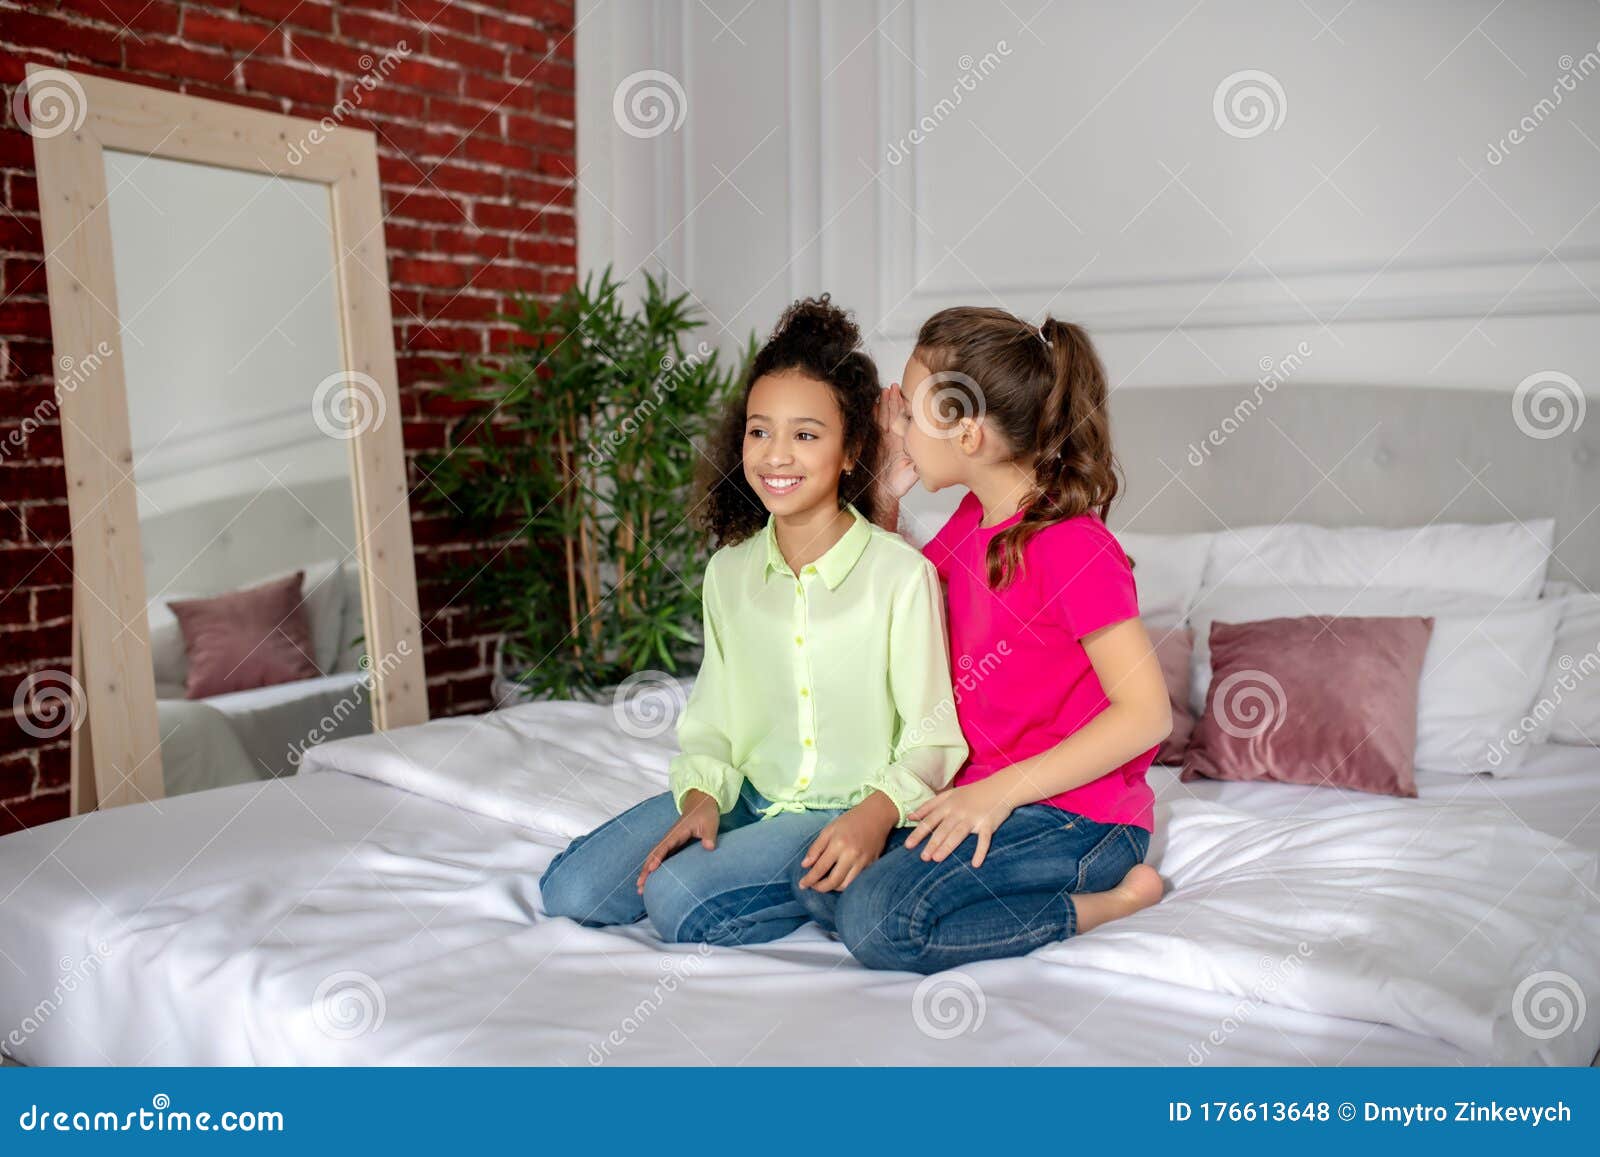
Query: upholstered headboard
[234, 541]
[1202, 458]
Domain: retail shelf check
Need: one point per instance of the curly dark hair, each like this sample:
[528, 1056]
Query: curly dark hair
[818, 339]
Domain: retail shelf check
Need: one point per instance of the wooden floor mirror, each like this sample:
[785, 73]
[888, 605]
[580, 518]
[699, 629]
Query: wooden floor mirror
[219, 302]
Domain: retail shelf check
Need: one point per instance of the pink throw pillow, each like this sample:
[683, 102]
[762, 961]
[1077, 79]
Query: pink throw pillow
[245, 639]
[1173, 647]
[1320, 700]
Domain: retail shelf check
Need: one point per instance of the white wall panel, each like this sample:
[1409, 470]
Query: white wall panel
[1087, 174]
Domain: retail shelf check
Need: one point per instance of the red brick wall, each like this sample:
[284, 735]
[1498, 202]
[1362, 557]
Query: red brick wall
[476, 148]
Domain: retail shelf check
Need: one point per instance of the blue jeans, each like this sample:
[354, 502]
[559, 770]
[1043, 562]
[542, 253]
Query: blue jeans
[915, 916]
[735, 893]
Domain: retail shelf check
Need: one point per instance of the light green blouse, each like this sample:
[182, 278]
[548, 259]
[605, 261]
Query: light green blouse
[821, 687]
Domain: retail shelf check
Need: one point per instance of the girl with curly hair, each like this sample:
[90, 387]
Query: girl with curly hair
[823, 714]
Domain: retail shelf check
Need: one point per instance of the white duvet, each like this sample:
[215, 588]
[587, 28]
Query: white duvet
[1441, 919]
[559, 768]
[329, 918]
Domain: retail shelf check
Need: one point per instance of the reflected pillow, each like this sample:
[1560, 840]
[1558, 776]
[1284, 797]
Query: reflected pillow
[246, 639]
[324, 598]
[166, 644]
[1319, 700]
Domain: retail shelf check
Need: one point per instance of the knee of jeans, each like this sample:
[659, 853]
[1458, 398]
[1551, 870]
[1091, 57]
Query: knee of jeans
[878, 927]
[669, 904]
[570, 893]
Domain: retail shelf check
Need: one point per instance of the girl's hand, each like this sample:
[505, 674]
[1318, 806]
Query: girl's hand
[956, 813]
[897, 473]
[698, 822]
[849, 845]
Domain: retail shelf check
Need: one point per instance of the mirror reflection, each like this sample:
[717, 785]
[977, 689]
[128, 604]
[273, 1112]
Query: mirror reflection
[228, 294]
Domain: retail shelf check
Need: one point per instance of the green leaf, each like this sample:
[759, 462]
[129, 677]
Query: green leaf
[619, 378]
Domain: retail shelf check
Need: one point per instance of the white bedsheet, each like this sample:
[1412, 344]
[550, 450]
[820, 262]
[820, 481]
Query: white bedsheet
[330, 918]
[244, 736]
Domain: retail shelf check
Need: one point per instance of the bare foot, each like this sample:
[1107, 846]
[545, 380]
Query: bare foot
[1140, 888]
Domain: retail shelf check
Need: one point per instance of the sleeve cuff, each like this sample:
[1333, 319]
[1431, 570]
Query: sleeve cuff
[717, 779]
[904, 788]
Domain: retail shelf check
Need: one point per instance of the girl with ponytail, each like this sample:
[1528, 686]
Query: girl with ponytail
[1043, 831]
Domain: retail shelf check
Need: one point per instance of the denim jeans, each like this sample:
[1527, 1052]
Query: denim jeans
[916, 916]
[735, 893]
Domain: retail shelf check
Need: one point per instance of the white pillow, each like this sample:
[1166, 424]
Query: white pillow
[353, 624]
[1560, 589]
[1485, 661]
[1568, 707]
[167, 653]
[1506, 559]
[1167, 570]
[323, 593]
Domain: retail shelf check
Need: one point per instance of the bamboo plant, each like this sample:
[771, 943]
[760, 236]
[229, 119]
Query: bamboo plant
[585, 473]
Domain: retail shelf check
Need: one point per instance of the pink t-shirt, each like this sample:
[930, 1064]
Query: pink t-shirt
[1023, 681]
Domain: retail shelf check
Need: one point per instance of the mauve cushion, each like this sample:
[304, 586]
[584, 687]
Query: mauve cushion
[1320, 700]
[1173, 647]
[246, 639]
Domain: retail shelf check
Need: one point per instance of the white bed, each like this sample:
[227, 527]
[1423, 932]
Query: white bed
[383, 906]
[334, 918]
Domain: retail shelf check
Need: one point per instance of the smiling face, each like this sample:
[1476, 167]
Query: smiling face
[794, 443]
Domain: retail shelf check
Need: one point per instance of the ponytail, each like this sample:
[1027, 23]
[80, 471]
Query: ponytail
[1074, 469]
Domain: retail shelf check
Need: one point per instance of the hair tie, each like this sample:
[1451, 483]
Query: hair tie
[1044, 339]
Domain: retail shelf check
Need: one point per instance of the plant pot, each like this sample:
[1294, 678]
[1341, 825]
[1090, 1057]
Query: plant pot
[646, 704]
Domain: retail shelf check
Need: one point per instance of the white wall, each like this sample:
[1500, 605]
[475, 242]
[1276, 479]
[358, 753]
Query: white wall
[1087, 174]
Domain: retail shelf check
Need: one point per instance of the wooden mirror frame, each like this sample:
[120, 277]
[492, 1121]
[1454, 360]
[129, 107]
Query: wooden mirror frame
[116, 758]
